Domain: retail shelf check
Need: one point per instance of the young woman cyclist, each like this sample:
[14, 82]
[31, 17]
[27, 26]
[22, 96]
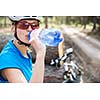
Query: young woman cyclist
[15, 59]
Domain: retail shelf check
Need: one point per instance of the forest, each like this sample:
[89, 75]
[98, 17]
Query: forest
[83, 21]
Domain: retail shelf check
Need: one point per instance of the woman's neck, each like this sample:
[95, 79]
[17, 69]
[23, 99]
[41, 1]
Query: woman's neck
[21, 48]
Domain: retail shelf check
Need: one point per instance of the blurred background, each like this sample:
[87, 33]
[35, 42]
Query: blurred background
[82, 33]
[86, 22]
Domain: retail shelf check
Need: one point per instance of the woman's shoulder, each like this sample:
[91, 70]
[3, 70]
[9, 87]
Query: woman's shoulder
[8, 59]
[9, 49]
[8, 53]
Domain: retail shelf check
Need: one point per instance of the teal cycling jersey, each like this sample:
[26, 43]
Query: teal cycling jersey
[11, 57]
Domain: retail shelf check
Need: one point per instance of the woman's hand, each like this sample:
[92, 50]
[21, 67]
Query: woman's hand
[39, 47]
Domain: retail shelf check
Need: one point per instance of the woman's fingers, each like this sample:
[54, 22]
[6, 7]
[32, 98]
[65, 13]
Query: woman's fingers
[35, 34]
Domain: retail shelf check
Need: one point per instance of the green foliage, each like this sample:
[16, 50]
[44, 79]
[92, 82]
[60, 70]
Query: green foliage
[4, 21]
[54, 21]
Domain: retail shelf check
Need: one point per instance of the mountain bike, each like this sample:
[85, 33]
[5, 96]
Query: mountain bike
[72, 70]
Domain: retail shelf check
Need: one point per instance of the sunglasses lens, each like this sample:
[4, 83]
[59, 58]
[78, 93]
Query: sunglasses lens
[34, 26]
[22, 25]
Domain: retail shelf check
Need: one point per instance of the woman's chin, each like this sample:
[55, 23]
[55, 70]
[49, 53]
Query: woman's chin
[26, 41]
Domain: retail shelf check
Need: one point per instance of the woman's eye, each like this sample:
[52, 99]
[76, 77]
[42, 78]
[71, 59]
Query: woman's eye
[25, 23]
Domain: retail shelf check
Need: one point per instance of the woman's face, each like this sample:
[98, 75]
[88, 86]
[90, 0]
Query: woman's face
[24, 26]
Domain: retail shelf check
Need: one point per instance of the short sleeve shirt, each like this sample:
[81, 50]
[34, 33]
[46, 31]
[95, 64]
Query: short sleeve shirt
[11, 57]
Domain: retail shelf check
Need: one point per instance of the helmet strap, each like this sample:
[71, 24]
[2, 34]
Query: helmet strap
[19, 41]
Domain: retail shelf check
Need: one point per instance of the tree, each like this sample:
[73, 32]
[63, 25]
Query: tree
[46, 21]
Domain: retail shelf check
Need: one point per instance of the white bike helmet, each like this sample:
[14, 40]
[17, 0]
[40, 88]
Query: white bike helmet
[18, 18]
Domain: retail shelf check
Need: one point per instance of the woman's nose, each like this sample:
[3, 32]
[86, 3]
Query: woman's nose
[29, 28]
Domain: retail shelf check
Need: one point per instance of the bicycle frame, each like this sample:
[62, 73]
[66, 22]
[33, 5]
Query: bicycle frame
[72, 72]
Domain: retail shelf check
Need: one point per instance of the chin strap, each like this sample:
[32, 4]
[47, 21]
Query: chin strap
[19, 41]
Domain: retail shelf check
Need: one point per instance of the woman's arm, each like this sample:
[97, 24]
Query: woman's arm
[38, 70]
[40, 49]
[13, 75]
[16, 76]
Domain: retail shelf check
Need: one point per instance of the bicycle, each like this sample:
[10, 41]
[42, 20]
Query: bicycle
[72, 71]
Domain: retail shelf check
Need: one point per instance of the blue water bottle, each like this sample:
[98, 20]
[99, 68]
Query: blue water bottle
[49, 37]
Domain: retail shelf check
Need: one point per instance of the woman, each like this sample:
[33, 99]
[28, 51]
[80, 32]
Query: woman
[15, 60]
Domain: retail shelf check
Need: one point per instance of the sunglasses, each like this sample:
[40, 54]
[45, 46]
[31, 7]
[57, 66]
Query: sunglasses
[25, 25]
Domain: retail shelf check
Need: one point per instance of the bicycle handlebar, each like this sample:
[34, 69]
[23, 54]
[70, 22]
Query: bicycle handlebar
[66, 55]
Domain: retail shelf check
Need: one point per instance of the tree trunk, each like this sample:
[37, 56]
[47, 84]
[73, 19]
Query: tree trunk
[94, 23]
[46, 21]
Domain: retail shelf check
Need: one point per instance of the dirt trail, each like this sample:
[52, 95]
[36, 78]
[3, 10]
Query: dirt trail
[90, 47]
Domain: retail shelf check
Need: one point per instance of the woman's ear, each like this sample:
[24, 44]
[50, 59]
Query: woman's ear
[13, 28]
